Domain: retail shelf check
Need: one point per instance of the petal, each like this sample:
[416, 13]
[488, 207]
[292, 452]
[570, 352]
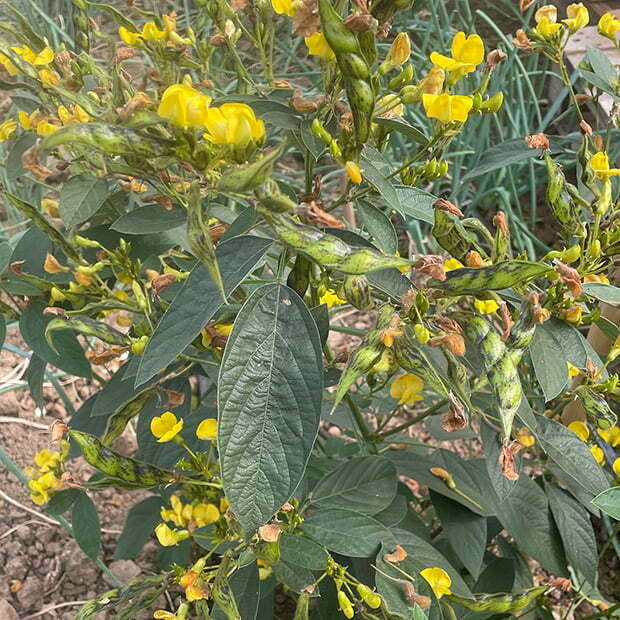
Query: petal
[460, 107]
[458, 44]
[472, 51]
[449, 64]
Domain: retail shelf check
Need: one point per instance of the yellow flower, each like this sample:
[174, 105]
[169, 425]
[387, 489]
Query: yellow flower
[467, 54]
[573, 371]
[345, 605]
[168, 537]
[179, 514]
[598, 454]
[77, 115]
[438, 580]
[44, 57]
[8, 64]
[6, 129]
[524, 437]
[330, 298]
[46, 460]
[133, 39]
[28, 121]
[577, 17]
[207, 430]
[407, 389]
[284, 7]
[353, 172]
[184, 106]
[447, 108]
[49, 78]
[151, 32]
[162, 614]
[221, 329]
[317, 46]
[39, 488]
[580, 429]
[223, 505]
[451, 264]
[546, 18]
[594, 277]
[45, 128]
[610, 435]
[400, 51]
[432, 83]
[599, 162]
[233, 123]
[204, 514]
[616, 466]
[166, 427]
[488, 306]
[608, 26]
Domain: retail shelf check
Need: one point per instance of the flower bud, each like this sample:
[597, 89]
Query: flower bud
[421, 333]
[51, 265]
[595, 249]
[51, 207]
[400, 52]
[405, 76]
[440, 472]
[492, 104]
[86, 243]
[353, 172]
[138, 346]
[320, 132]
[372, 599]
[345, 605]
[334, 149]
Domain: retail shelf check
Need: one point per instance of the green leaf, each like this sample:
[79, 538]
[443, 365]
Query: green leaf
[415, 203]
[80, 198]
[344, 531]
[269, 396]
[320, 314]
[150, 219]
[400, 125]
[5, 256]
[395, 513]
[303, 552]
[610, 329]
[379, 226]
[601, 65]
[293, 576]
[13, 166]
[609, 502]
[569, 453]
[198, 301]
[500, 156]
[35, 376]
[554, 344]
[376, 169]
[366, 484]
[62, 501]
[245, 585]
[603, 292]
[86, 527]
[139, 526]
[70, 357]
[492, 450]
[525, 515]
[466, 532]
[576, 531]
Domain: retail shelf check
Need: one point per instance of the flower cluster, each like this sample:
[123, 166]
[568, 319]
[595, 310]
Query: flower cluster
[45, 479]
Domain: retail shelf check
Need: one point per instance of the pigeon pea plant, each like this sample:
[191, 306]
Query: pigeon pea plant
[197, 224]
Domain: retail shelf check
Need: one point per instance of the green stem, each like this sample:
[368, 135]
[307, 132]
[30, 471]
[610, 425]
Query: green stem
[405, 425]
[360, 421]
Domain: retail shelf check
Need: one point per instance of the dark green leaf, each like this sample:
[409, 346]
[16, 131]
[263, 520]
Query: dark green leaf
[269, 396]
[62, 501]
[603, 292]
[415, 203]
[400, 125]
[13, 166]
[5, 256]
[601, 64]
[150, 219]
[32, 249]
[302, 551]
[501, 155]
[376, 170]
[86, 527]
[533, 529]
[466, 532]
[80, 198]
[293, 576]
[344, 531]
[395, 513]
[492, 450]
[70, 356]
[35, 375]
[197, 302]
[610, 329]
[245, 585]
[576, 531]
[609, 502]
[320, 314]
[378, 226]
[139, 526]
[167, 557]
[366, 484]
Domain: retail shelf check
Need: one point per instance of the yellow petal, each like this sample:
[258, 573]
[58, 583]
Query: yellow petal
[207, 429]
[580, 429]
[438, 579]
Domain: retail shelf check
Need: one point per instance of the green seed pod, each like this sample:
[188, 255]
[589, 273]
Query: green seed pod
[384, 10]
[109, 139]
[80, 26]
[452, 236]
[200, 240]
[404, 77]
[499, 603]
[422, 334]
[491, 278]
[118, 421]
[596, 406]
[299, 276]
[302, 609]
[117, 466]
[357, 292]
[492, 104]
[499, 367]
[559, 199]
[245, 178]
[87, 327]
[272, 199]
[522, 332]
[328, 250]
[320, 132]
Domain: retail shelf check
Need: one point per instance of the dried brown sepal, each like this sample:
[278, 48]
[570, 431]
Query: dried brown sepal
[318, 216]
[586, 129]
[501, 222]
[398, 555]
[301, 104]
[570, 277]
[140, 101]
[98, 358]
[455, 343]
[239, 5]
[160, 282]
[524, 5]
[69, 481]
[446, 205]
[216, 232]
[307, 20]
[270, 532]
[361, 22]
[537, 141]
[431, 265]
[455, 419]
[473, 259]
[563, 583]
[58, 430]
[408, 299]
[124, 53]
[507, 462]
[53, 311]
[495, 57]
[507, 322]
[174, 398]
[448, 325]
[308, 589]
[63, 61]
[17, 267]
[30, 161]
[521, 40]
[287, 507]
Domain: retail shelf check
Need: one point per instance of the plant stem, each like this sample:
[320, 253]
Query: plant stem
[405, 425]
[359, 420]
